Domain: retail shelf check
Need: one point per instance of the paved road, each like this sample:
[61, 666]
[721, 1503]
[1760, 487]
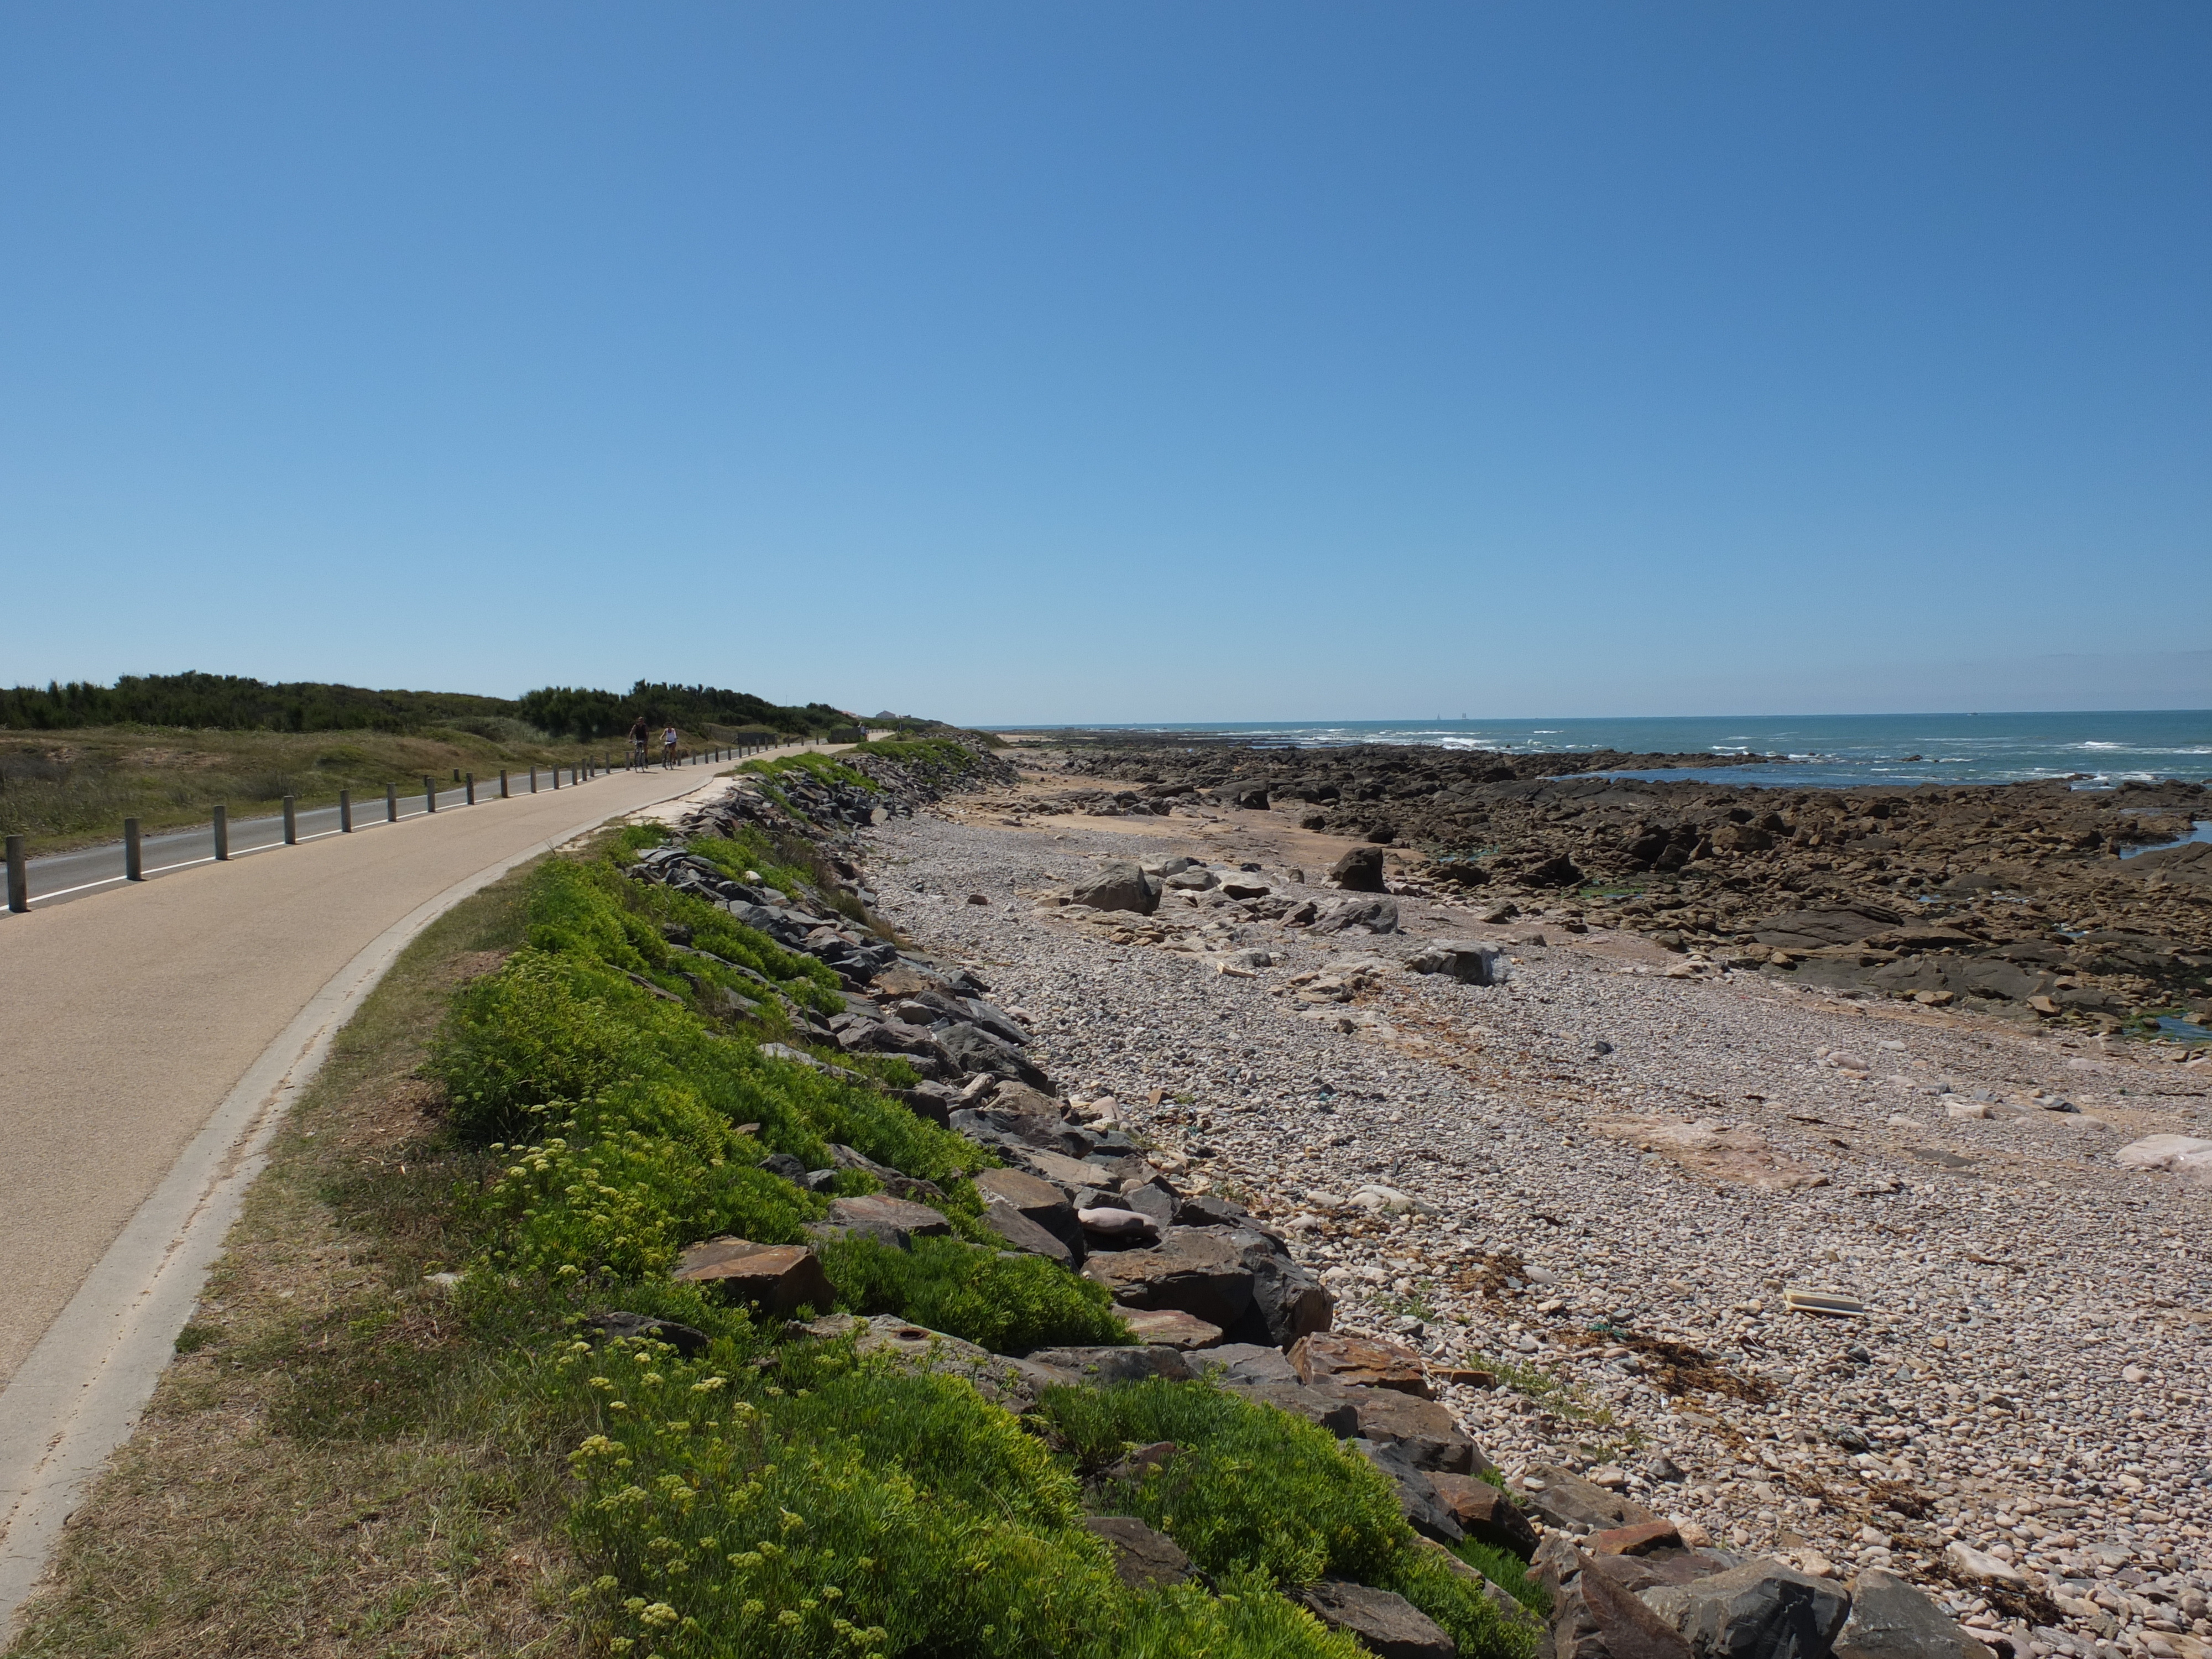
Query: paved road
[149, 1034]
[61, 876]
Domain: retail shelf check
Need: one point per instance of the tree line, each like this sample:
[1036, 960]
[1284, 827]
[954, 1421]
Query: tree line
[232, 702]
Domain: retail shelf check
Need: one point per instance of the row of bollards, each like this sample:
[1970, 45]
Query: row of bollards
[133, 868]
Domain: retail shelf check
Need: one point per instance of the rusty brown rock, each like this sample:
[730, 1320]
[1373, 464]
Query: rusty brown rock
[1360, 1362]
[1485, 1513]
[1639, 1539]
[780, 1278]
[1171, 1326]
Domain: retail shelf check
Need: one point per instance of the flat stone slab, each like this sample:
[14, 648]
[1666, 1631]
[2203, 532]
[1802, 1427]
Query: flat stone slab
[1020, 1231]
[1360, 1362]
[780, 1278]
[1105, 1366]
[1142, 1556]
[1032, 1195]
[1014, 1384]
[1565, 1500]
[1386, 1622]
[1170, 1328]
[896, 1221]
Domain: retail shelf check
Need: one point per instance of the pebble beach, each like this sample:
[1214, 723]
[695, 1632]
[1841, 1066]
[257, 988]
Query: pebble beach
[1589, 1195]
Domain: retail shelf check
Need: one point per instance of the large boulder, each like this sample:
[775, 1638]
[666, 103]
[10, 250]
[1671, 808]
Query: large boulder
[1325, 1405]
[1593, 1617]
[1359, 871]
[1386, 1623]
[1501, 1602]
[2185, 1155]
[1557, 870]
[780, 1279]
[1424, 1429]
[1173, 1328]
[1017, 1232]
[1419, 1500]
[1037, 1200]
[1760, 1610]
[971, 1048]
[889, 1036]
[1471, 962]
[1485, 1512]
[1891, 1620]
[1287, 1301]
[1118, 885]
[1198, 1270]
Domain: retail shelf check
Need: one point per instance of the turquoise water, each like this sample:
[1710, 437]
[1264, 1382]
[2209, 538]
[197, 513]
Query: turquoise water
[1827, 751]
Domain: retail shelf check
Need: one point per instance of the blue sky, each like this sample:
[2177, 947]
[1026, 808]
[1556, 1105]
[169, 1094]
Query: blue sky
[1065, 362]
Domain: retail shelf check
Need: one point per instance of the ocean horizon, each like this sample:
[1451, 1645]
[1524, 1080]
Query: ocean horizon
[2093, 750]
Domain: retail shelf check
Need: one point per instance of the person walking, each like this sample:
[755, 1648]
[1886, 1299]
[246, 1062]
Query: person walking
[639, 732]
[668, 748]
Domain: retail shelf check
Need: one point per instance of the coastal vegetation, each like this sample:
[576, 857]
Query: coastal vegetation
[69, 789]
[76, 759]
[233, 703]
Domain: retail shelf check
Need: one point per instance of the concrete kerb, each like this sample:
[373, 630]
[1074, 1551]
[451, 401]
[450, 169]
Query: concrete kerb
[79, 1393]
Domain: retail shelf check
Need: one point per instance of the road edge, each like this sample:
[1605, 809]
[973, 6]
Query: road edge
[79, 1393]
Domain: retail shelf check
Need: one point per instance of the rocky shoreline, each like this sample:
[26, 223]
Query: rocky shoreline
[2033, 901]
[1756, 1291]
[1581, 1197]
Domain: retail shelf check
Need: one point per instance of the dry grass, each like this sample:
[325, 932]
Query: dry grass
[65, 789]
[334, 1464]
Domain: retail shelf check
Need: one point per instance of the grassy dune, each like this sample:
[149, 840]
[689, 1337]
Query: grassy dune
[65, 789]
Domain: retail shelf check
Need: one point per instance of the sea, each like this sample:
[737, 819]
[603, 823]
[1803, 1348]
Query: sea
[1818, 751]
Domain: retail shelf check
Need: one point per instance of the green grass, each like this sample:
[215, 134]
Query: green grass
[1253, 1491]
[1508, 1572]
[70, 788]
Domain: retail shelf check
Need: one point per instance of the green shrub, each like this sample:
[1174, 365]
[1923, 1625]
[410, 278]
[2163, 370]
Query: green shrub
[750, 851]
[624, 1202]
[1252, 1488]
[1007, 1304]
[549, 1028]
[864, 1512]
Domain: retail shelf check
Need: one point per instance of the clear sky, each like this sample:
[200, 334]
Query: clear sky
[1136, 362]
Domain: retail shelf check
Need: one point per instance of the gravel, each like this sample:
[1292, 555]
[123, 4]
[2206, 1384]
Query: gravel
[2028, 1380]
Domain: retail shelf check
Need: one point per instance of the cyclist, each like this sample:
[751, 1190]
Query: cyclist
[668, 747]
[638, 733]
